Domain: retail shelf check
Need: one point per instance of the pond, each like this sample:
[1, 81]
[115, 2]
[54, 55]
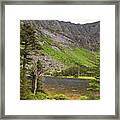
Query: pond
[71, 87]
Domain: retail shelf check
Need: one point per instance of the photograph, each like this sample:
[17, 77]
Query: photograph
[59, 60]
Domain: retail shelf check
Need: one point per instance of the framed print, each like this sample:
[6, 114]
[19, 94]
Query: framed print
[59, 60]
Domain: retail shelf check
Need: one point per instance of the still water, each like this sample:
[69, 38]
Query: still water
[71, 87]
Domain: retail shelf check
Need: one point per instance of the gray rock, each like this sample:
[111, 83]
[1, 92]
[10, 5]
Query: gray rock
[81, 35]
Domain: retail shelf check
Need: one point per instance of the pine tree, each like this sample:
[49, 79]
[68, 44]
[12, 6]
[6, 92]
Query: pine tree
[94, 85]
[29, 48]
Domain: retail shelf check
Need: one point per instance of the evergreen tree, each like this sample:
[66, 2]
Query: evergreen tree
[94, 85]
[29, 48]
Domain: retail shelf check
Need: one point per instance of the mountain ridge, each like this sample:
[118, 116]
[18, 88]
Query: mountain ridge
[81, 35]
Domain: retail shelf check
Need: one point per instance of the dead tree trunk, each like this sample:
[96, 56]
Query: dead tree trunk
[35, 83]
[37, 73]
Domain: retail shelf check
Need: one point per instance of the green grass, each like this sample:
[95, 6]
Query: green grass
[67, 56]
[58, 55]
[86, 77]
[81, 77]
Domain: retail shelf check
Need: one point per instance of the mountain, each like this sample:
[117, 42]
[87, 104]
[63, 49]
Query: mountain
[66, 44]
[82, 35]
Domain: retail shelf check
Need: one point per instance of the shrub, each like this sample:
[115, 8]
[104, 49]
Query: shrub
[84, 97]
[50, 97]
[41, 96]
[31, 97]
[37, 96]
[90, 96]
[60, 97]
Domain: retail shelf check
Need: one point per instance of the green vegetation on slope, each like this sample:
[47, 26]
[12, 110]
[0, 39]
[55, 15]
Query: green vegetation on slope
[74, 56]
[78, 62]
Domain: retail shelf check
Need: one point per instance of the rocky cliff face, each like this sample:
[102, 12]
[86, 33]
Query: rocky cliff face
[81, 35]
